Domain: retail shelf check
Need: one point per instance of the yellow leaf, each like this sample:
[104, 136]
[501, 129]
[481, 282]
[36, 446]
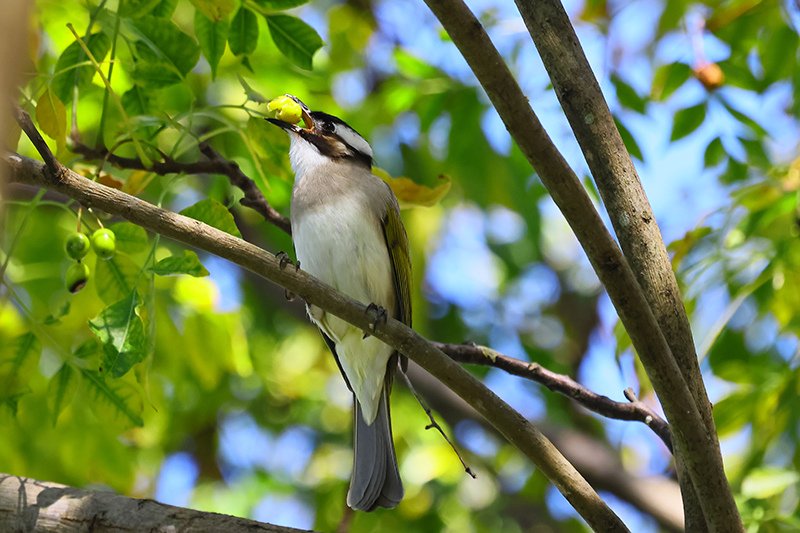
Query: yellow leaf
[412, 194]
[52, 116]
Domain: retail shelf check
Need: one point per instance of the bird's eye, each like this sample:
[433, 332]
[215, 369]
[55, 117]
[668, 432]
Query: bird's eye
[328, 127]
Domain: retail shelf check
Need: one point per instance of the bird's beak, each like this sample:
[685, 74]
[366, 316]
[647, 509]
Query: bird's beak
[306, 116]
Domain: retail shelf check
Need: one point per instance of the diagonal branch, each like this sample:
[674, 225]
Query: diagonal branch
[214, 164]
[634, 409]
[512, 425]
[689, 430]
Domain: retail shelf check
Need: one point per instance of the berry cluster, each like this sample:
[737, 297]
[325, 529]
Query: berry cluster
[103, 242]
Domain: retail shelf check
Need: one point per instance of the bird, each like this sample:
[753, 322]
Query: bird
[347, 232]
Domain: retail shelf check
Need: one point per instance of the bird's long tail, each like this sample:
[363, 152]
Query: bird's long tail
[376, 480]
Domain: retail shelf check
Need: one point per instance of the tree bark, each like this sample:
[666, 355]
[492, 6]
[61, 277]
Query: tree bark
[692, 439]
[31, 506]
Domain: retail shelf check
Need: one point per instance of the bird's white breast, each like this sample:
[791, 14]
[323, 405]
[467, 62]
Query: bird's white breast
[340, 242]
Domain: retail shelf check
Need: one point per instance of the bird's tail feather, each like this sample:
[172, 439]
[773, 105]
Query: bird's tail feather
[376, 480]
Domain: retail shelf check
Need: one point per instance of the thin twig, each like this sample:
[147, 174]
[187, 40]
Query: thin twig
[214, 164]
[26, 124]
[433, 423]
[633, 410]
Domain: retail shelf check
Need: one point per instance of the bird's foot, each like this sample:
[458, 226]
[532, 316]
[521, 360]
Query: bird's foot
[284, 259]
[377, 314]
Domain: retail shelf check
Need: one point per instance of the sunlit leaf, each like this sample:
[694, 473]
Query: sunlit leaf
[137, 8]
[766, 482]
[687, 120]
[215, 10]
[117, 399]
[213, 36]
[294, 38]
[130, 238]
[629, 140]
[280, 5]
[669, 78]
[214, 214]
[73, 68]
[243, 34]
[188, 263]
[628, 96]
[61, 390]
[715, 153]
[121, 331]
[162, 46]
[115, 278]
[52, 116]
[19, 359]
[410, 194]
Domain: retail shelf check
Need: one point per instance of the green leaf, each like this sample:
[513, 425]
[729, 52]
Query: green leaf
[243, 35]
[189, 264]
[668, 79]
[162, 45]
[136, 101]
[52, 117]
[215, 9]
[165, 9]
[754, 126]
[19, 361]
[294, 38]
[212, 37]
[61, 390]
[69, 74]
[130, 238]
[115, 278]
[214, 214]
[766, 482]
[120, 398]
[715, 153]
[136, 8]
[687, 121]
[121, 331]
[629, 140]
[628, 96]
[280, 5]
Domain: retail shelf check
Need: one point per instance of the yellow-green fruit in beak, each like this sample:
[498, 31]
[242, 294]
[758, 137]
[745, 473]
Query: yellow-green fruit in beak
[285, 109]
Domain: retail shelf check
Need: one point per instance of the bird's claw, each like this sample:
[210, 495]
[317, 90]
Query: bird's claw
[377, 315]
[284, 259]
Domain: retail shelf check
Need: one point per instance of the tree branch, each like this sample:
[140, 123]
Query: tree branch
[214, 164]
[562, 384]
[635, 410]
[506, 420]
[30, 505]
[622, 192]
[690, 434]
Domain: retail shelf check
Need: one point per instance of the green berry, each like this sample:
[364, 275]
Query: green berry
[286, 109]
[77, 246]
[104, 243]
[77, 276]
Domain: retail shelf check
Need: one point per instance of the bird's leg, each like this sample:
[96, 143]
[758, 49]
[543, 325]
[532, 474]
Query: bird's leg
[283, 260]
[377, 314]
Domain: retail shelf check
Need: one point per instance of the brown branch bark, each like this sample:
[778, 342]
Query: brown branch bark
[634, 410]
[40, 506]
[691, 436]
[622, 192]
[506, 420]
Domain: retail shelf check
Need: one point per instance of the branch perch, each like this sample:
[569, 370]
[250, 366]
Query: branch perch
[506, 420]
[30, 505]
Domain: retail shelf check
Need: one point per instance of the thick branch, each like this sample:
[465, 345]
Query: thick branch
[690, 433]
[215, 164]
[30, 505]
[622, 192]
[603, 405]
[506, 420]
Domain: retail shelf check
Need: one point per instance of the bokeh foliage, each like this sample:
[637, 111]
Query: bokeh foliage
[155, 359]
